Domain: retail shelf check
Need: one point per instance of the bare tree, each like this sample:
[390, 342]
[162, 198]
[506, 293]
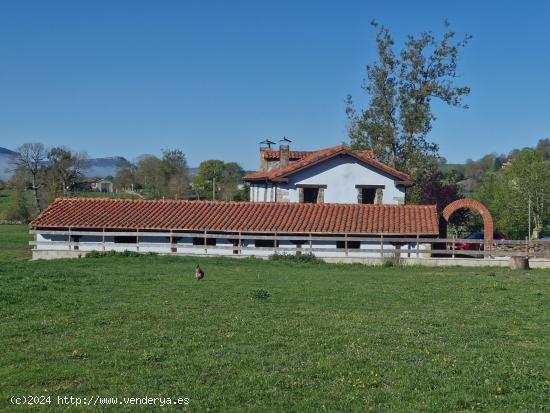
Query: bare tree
[30, 159]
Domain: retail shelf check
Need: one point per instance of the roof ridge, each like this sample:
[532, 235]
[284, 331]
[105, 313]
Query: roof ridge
[327, 153]
[219, 202]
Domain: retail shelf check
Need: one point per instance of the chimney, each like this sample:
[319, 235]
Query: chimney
[284, 152]
[264, 145]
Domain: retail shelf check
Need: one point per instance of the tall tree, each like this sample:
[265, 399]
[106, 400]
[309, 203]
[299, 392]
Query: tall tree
[30, 160]
[510, 194]
[543, 147]
[125, 178]
[177, 182]
[67, 166]
[218, 180]
[401, 88]
[163, 178]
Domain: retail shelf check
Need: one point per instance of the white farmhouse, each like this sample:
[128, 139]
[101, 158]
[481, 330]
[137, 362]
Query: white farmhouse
[335, 175]
[336, 203]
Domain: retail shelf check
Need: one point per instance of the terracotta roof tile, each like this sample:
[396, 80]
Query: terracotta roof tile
[280, 174]
[238, 216]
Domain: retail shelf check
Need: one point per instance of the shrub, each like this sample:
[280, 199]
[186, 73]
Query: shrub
[260, 294]
[290, 258]
[17, 209]
[101, 254]
[391, 260]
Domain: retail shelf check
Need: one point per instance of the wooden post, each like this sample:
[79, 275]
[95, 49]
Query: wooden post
[172, 249]
[346, 243]
[417, 246]
[310, 244]
[205, 244]
[137, 240]
[275, 245]
[103, 238]
[453, 244]
[381, 245]
[70, 239]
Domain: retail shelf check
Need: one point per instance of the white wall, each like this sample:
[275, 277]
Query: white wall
[185, 246]
[340, 175]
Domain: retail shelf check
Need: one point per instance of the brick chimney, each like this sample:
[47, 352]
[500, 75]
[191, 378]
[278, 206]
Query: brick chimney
[284, 152]
[264, 145]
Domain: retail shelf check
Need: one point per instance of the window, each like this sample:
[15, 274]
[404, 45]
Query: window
[200, 241]
[123, 239]
[310, 195]
[265, 243]
[368, 195]
[352, 245]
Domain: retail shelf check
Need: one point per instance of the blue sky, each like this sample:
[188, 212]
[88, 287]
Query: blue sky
[214, 78]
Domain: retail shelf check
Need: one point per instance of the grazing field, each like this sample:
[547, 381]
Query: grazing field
[14, 243]
[274, 336]
[4, 200]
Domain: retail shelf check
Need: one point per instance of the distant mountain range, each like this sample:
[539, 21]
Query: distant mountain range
[97, 167]
[5, 155]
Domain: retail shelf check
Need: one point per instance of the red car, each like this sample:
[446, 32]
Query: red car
[475, 246]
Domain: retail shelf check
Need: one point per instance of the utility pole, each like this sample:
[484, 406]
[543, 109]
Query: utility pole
[213, 188]
[529, 215]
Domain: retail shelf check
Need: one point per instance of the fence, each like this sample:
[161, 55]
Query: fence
[382, 245]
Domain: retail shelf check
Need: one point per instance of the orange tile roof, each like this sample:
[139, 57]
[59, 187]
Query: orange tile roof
[272, 155]
[281, 174]
[99, 213]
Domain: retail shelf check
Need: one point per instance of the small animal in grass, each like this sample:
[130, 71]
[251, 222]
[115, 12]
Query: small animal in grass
[199, 273]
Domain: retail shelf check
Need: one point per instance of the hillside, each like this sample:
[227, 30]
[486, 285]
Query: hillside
[5, 155]
[99, 167]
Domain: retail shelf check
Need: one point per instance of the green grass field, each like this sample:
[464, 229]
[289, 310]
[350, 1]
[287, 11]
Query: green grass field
[4, 200]
[329, 337]
[14, 243]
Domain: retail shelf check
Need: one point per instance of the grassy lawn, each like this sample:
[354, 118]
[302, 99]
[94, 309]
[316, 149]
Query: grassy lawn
[14, 243]
[329, 338]
[4, 200]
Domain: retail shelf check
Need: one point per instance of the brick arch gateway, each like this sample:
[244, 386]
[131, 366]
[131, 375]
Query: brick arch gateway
[488, 225]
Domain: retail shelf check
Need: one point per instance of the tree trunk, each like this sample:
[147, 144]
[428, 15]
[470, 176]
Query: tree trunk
[35, 191]
[519, 263]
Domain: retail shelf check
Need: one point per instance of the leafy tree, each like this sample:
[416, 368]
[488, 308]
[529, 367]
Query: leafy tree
[508, 194]
[401, 88]
[543, 147]
[125, 178]
[161, 178]
[150, 177]
[17, 208]
[67, 166]
[176, 173]
[218, 180]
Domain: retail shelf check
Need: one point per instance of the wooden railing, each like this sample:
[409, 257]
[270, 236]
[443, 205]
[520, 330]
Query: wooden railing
[383, 245]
